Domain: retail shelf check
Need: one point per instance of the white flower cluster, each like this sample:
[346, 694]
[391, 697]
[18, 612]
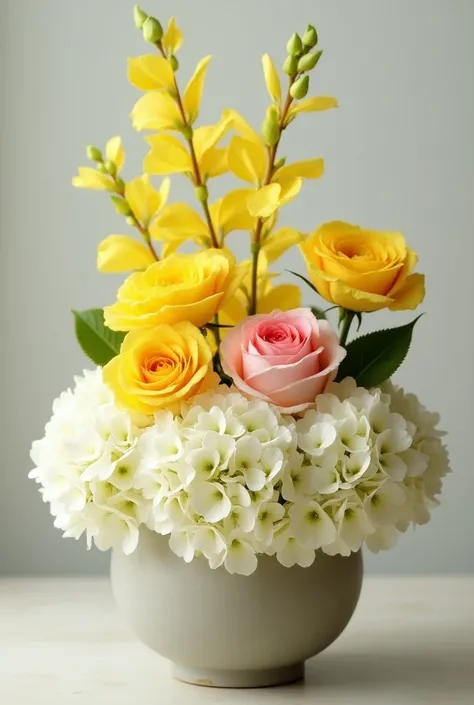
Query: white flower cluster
[86, 464]
[230, 478]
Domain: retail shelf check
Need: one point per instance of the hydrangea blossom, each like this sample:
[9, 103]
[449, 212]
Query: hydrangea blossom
[87, 463]
[229, 478]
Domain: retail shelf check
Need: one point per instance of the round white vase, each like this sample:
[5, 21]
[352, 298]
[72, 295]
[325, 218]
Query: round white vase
[234, 631]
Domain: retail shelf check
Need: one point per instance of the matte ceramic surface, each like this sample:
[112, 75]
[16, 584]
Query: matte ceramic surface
[230, 630]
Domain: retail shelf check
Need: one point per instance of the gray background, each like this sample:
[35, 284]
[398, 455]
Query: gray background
[399, 155]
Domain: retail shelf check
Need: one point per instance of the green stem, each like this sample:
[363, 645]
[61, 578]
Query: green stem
[254, 287]
[346, 325]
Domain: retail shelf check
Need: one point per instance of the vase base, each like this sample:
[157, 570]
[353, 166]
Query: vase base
[263, 678]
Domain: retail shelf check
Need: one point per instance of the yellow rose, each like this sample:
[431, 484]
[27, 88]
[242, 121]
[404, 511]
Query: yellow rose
[178, 288]
[363, 270]
[160, 367]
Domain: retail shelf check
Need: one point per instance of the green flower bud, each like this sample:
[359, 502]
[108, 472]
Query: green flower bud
[111, 167]
[139, 16]
[102, 168]
[120, 183]
[94, 154]
[174, 63]
[310, 37]
[187, 132]
[202, 194]
[295, 45]
[290, 67]
[152, 30]
[120, 205]
[131, 220]
[309, 61]
[281, 162]
[271, 126]
[255, 248]
[300, 87]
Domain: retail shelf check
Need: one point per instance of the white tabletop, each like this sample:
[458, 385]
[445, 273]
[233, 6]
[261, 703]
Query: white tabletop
[410, 641]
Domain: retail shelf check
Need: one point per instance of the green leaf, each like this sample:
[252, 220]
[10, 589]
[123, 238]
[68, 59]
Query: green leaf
[373, 358]
[318, 313]
[98, 342]
[300, 276]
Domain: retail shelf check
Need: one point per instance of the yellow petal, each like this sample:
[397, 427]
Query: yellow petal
[307, 169]
[156, 111]
[93, 179]
[179, 222]
[410, 295]
[168, 156]
[283, 297]
[240, 125]
[144, 200]
[312, 105]
[208, 136]
[272, 80]
[150, 72]
[172, 38]
[232, 212]
[265, 201]
[193, 92]
[247, 160]
[115, 153]
[290, 188]
[119, 253]
[213, 163]
[279, 242]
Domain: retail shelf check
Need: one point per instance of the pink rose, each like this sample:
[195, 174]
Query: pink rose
[286, 358]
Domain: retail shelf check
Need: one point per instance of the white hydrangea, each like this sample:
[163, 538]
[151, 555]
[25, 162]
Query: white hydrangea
[86, 465]
[230, 478]
[372, 465]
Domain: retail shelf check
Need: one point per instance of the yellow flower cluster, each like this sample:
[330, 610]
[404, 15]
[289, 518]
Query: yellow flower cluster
[170, 297]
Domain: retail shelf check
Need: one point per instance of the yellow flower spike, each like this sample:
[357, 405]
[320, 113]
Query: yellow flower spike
[168, 156]
[308, 169]
[177, 223]
[172, 38]
[119, 253]
[156, 111]
[114, 153]
[272, 80]
[144, 200]
[193, 93]
[278, 242]
[247, 159]
[93, 179]
[150, 72]
[311, 105]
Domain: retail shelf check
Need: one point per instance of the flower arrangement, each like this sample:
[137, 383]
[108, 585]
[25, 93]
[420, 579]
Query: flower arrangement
[222, 412]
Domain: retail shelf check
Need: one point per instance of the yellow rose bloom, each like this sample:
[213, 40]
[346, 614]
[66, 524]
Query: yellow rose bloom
[159, 367]
[179, 288]
[363, 270]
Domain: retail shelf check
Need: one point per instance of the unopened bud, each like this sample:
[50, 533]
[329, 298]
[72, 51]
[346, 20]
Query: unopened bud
[295, 45]
[139, 16]
[310, 37]
[309, 61]
[131, 220]
[255, 248]
[174, 63]
[120, 183]
[120, 205]
[271, 126]
[300, 87]
[94, 154]
[111, 167]
[187, 132]
[152, 30]
[202, 194]
[290, 67]
[281, 162]
[102, 168]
